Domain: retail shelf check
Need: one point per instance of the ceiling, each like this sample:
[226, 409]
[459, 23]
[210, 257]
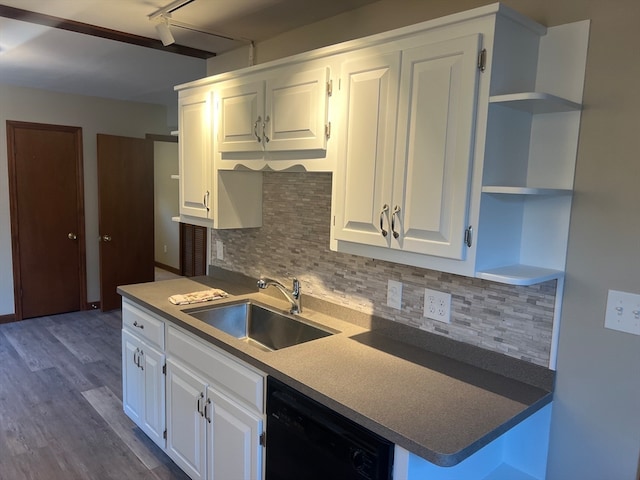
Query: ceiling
[42, 56]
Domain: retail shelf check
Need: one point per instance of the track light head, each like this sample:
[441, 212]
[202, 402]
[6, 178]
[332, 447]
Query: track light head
[164, 32]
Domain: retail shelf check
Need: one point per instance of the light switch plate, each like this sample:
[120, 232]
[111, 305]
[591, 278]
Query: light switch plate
[623, 312]
[394, 294]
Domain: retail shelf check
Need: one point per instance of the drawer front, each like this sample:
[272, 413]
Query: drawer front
[235, 377]
[143, 323]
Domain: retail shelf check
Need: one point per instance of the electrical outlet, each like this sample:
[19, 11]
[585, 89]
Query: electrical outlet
[623, 312]
[219, 250]
[437, 305]
[394, 294]
[165, 249]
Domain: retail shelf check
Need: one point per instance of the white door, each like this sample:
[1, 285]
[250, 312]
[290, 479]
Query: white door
[186, 425]
[153, 416]
[435, 146]
[296, 110]
[369, 102]
[234, 440]
[241, 117]
[132, 378]
[195, 154]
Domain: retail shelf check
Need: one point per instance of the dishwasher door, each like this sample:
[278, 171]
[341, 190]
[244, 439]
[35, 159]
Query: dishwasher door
[306, 440]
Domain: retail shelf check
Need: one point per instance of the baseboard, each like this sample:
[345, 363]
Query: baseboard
[168, 268]
[8, 318]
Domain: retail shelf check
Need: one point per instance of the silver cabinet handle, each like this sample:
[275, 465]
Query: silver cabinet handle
[106, 238]
[140, 360]
[385, 208]
[255, 129]
[207, 410]
[199, 404]
[264, 129]
[396, 211]
[138, 325]
[135, 358]
[205, 200]
[72, 236]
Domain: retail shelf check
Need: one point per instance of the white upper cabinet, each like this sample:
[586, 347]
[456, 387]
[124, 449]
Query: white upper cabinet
[406, 147]
[434, 150]
[286, 111]
[364, 173]
[195, 153]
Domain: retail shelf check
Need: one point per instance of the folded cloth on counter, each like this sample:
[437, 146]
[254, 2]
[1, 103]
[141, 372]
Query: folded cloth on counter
[197, 297]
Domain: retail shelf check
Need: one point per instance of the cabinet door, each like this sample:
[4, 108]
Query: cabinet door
[435, 146]
[233, 440]
[241, 117]
[365, 166]
[296, 110]
[195, 154]
[132, 378]
[186, 425]
[143, 390]
[153, 417]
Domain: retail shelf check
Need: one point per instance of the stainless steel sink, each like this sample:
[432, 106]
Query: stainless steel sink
[260, 326]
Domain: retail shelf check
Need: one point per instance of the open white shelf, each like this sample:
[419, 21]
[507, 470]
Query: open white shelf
[520, 274]
[506, 190]
[535, 102]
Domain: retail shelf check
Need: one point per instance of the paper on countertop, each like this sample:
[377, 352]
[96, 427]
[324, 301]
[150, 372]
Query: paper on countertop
[198, 297]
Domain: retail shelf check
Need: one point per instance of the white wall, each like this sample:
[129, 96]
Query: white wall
[595, 432]
[167, 232]
[94, 115]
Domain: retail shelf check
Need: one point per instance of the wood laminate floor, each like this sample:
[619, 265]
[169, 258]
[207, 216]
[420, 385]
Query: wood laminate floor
[61, 403]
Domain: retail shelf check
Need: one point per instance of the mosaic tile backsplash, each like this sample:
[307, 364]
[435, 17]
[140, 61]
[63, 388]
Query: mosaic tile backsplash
[294, 242]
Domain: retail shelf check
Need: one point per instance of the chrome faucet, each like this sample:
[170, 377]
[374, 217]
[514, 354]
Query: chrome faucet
[293, 296]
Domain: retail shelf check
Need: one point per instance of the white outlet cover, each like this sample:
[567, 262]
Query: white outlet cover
[394, 294]
[623, 312]
[437, 305]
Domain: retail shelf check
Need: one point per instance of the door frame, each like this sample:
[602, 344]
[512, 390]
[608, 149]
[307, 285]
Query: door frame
[12, 125]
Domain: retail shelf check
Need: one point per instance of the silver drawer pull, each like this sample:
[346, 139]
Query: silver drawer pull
[138, 325]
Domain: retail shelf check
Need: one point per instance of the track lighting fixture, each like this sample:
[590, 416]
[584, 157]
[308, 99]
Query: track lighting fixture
[164, 32]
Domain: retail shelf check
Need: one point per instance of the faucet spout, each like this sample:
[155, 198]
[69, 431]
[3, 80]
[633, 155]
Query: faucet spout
[293, 296]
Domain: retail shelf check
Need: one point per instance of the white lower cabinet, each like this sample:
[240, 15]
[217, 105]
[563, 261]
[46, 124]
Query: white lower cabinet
[186, 424]
[202, 406]
[143, 385]
[213, 428]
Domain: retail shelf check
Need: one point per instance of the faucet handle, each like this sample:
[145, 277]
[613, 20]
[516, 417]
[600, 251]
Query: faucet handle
[296, 288]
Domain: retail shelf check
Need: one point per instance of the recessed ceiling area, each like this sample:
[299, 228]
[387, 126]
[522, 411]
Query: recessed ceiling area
[49, 58]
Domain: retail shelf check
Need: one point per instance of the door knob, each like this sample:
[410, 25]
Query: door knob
[72, 236]
[106, 238]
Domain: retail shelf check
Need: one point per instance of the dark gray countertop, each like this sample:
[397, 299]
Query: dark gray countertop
[426, 400]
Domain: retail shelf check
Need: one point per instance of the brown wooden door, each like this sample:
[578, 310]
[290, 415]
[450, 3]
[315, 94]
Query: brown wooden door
[47, 218]
[125, 202]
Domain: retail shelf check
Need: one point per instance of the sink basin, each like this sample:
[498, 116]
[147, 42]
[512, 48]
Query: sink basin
[260, 326]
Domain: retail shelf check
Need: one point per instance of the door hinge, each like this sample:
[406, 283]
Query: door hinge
[164, 369]
[482, 60]
[330, 88]
[327, 130]
[468, 236]
[164, 434]
[263, 439]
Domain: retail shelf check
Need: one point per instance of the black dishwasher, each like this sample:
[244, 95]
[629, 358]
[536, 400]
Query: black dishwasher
[306, 440]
